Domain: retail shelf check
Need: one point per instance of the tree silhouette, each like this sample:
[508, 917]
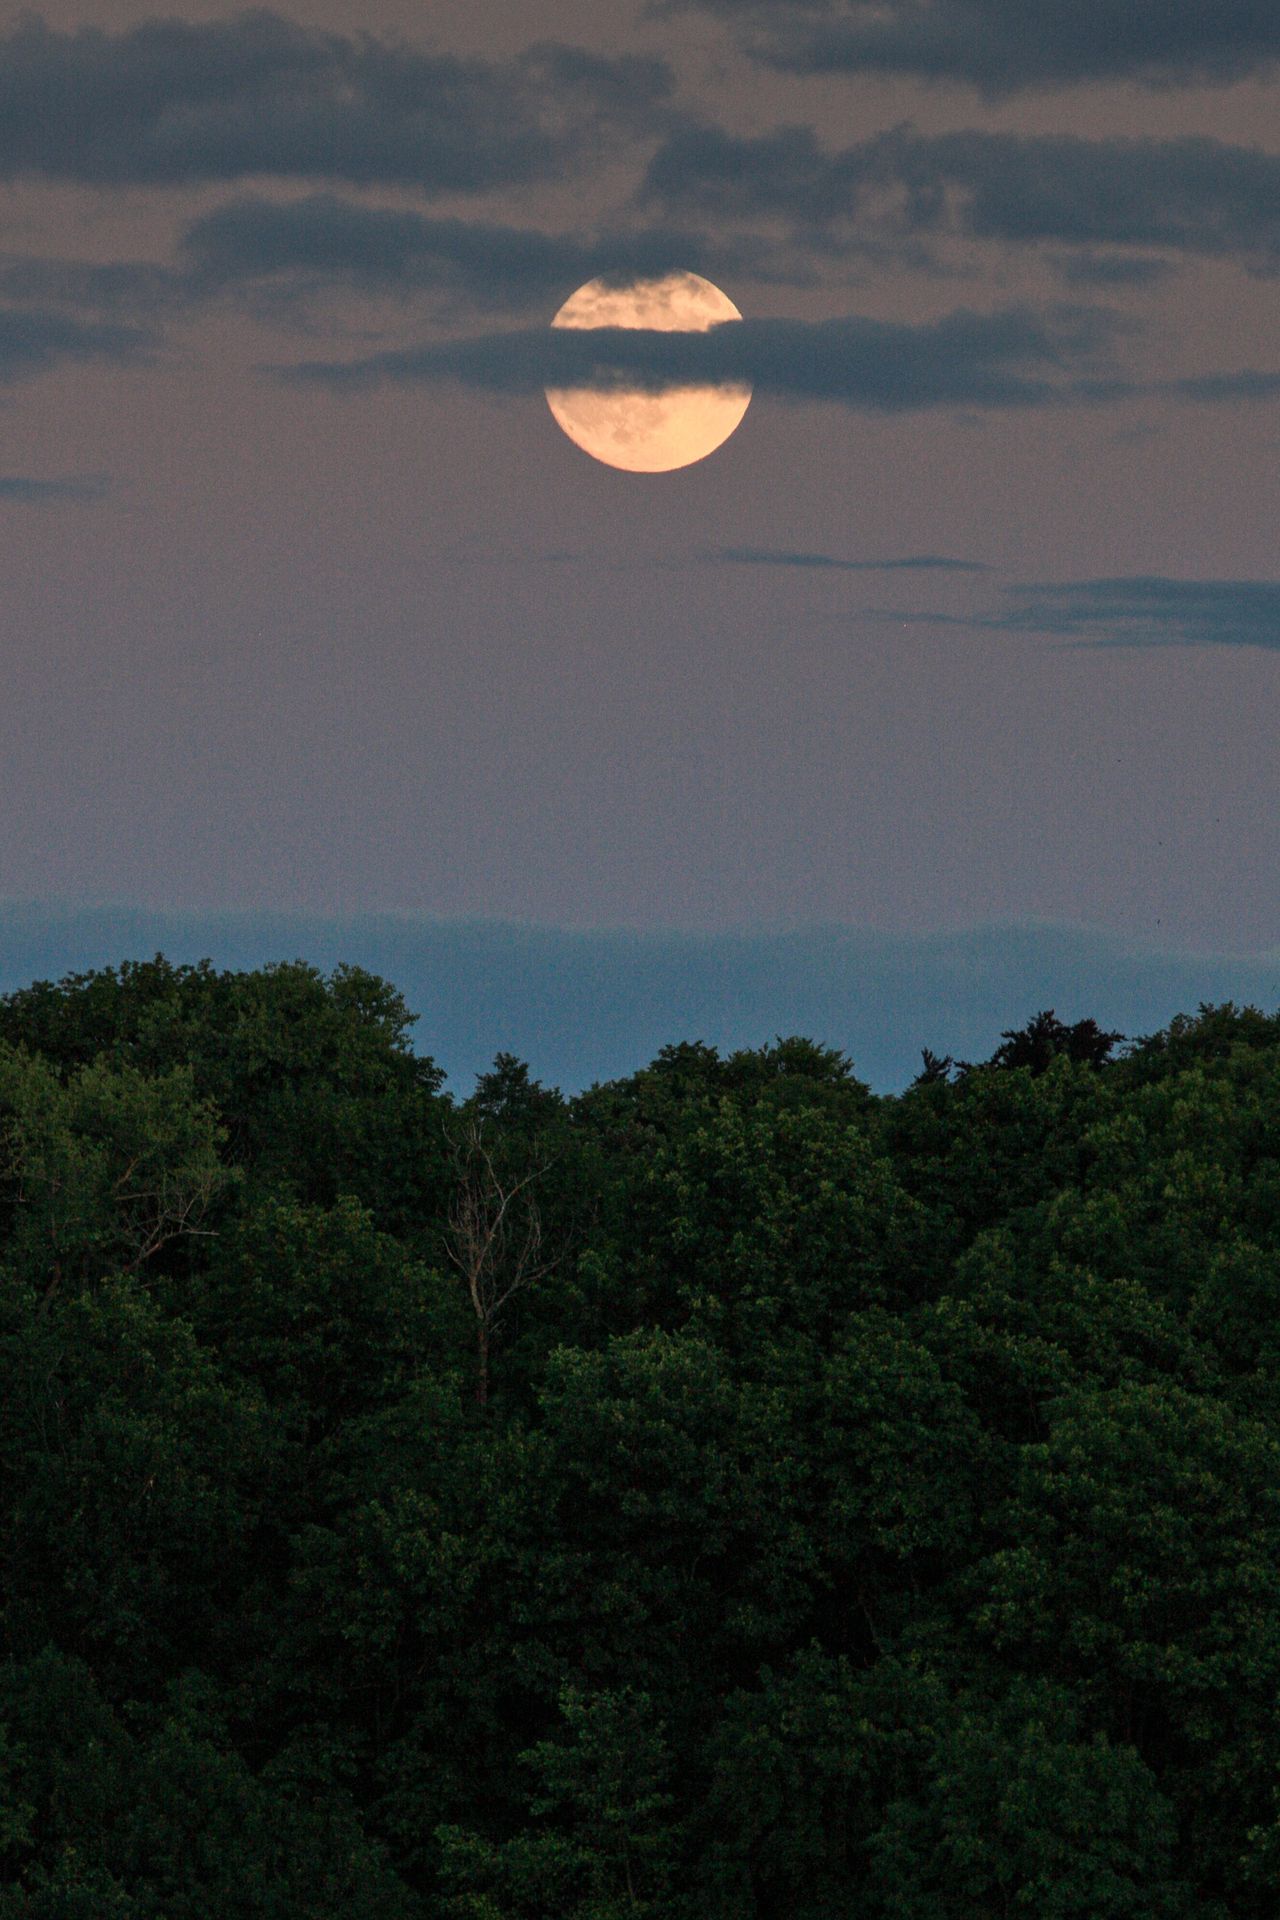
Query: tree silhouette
[936, 1068]
[1045, 1037]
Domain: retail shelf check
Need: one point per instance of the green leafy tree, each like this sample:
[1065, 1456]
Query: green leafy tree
[875, 1509]
[102, 1171]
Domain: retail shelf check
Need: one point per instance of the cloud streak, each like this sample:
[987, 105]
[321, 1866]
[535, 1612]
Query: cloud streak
[170, 103]
[1001, 46]
[1012, 358]
[21, 489]
[822, 562]
[1137, 610]
[1149, 610]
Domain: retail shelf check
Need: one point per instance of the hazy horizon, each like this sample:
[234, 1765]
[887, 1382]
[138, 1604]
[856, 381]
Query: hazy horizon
[585, 1004]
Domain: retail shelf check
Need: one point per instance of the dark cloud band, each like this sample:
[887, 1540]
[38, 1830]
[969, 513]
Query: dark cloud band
[1002, 45]
[965, 359]
[324, 240]
[171, 102]
[1198, 195]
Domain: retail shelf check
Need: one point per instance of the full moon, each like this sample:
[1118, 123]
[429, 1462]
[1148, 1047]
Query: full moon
[627, 427]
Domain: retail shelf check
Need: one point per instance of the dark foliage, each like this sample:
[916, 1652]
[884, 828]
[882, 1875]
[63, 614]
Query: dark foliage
[869, 1506]
[1044, 1038]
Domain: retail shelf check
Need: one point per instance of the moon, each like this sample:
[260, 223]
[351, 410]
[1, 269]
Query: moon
[627, 427]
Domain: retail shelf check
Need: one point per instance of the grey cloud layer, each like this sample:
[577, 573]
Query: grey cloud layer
[170, 102]
[1002, 359]
[180, 103]
[323, 239]
[1201, 195]
[1002, 45]
[124, 287]
[32, 340]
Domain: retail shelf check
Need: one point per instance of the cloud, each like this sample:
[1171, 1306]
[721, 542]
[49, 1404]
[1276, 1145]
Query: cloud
[1211, 389]
[783, 557]
[132, 288]
[1150, 610]
[323, 241]
[1004, 359]
[28, 492]
[999, 46]
[170, 102]
[279, 253]
[1111, 270]
[1244, 387]
[1194, 195]
[32, 340]
[1139, 610]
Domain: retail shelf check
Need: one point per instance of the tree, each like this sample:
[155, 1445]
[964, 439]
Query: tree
[1045, 1037]
[935, 1069]
[880, 1514]
[1021, 1812]
[493, 1237]
[102, 1171]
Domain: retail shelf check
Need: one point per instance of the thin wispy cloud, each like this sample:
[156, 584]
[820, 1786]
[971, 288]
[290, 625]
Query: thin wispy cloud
[1150, 610]
[822, 562]
[24, 490]
[1138, 610]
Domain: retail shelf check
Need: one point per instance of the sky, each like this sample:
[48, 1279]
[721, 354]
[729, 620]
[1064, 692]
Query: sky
[310, 609]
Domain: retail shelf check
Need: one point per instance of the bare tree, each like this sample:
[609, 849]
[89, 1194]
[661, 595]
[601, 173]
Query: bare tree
[494, 1237]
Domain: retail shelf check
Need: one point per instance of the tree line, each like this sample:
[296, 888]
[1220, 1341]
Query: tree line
[723, 1495]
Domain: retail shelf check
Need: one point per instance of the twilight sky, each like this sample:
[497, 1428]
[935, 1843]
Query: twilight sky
[309, 606]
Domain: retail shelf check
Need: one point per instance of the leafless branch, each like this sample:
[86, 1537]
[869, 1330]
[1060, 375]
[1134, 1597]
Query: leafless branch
[494, 1236]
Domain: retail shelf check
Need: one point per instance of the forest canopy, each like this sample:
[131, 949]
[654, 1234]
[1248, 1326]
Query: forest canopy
[724, 1495]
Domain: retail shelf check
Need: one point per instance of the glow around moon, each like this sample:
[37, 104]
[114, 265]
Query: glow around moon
[627, 427]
